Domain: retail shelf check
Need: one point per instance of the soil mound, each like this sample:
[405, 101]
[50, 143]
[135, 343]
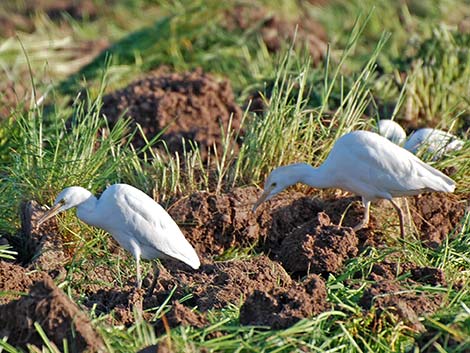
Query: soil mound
[291, 229]
[216, 285]
[317, 247]
[15, 280]
[217, 222]
[435, 215]
[58, 316]
[283, 307]
[191, 105]
[402, 298]
[44, 247]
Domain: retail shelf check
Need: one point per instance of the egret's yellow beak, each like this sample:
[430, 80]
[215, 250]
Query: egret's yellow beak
[262, 198]
[49, 214]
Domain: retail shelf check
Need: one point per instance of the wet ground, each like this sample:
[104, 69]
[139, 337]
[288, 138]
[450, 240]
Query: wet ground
[299, 243]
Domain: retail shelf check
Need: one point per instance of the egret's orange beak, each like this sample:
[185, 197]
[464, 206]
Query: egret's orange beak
[49, 214]
[262, 198]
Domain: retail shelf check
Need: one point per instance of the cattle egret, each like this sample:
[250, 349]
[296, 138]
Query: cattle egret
[392, 131]
[365, 164]
[135, 220]
[435, 142]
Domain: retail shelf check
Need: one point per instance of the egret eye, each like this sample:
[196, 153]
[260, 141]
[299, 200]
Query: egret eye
[274, 184]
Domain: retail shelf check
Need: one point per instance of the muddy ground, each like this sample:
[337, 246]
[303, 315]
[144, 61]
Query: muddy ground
[299, 243]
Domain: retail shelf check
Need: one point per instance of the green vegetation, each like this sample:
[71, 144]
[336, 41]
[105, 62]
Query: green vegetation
[373, 46]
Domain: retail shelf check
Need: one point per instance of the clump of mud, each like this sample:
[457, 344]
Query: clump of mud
[191, 105]
[291, 228]
[58, 316]
[15, 280]
[283, 307]
[217, 222]
[402, 298]
[317, 247]
[436, 215]
[43, 246]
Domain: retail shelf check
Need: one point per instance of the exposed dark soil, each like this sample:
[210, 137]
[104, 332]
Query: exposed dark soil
[191, 105]
[15, 280]
[303, 244]
[389, 295]
[45, 249]
[317, 247]
[283, 307]
[436, 215]
[58, 316]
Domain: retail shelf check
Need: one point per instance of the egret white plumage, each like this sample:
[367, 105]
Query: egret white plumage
[435, 141]
[138, 223]
[392, 131]
[365, 164]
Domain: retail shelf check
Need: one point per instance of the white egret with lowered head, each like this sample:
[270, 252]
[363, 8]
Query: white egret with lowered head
[365, 164]
[135, 220]
[436, 142]
[392, 131]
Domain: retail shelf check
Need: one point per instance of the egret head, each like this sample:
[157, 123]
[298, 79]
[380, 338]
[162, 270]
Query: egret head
[280, 179]
[68, 198]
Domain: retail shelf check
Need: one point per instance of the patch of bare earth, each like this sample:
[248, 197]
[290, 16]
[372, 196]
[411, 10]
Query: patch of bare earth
[292, 229]
[57, 315]
[283, 307]
[403, 299]
[191, 105]
[436, 215]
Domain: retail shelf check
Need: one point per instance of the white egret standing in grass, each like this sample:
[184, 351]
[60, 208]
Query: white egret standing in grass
[365, 164]
[135, 220]
[392, 131]
[435, 141]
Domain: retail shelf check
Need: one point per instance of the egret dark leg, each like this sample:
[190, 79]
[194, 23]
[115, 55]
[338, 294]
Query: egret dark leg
[400, 217]
[365, 220]
[139, 278]
[156, 274]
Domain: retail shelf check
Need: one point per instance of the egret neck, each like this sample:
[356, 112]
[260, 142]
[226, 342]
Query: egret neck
[86, 211]
[314, 177]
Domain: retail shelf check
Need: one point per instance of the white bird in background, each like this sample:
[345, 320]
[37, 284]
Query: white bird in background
[135, 220]
[392, 131]
[436, 142]
[365, 164]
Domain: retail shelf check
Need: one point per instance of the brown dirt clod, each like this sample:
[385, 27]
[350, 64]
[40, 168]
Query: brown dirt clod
[216, 222]
[402, 298]
[45, 247]
[283, 307]
[184, 316]
[15, 280]
[55, 312]
[317, 247]
[191, 105]
[436, 215]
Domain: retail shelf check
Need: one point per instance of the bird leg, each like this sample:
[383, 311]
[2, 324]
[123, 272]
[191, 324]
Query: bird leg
[365, 220]
[139, 278]
[400, 217]
[155, 278]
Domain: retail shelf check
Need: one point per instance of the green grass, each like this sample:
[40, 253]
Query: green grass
[372, 48]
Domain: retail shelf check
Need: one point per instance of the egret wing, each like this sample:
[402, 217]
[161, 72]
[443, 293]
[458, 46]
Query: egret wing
[155, 228]
[383, 168]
